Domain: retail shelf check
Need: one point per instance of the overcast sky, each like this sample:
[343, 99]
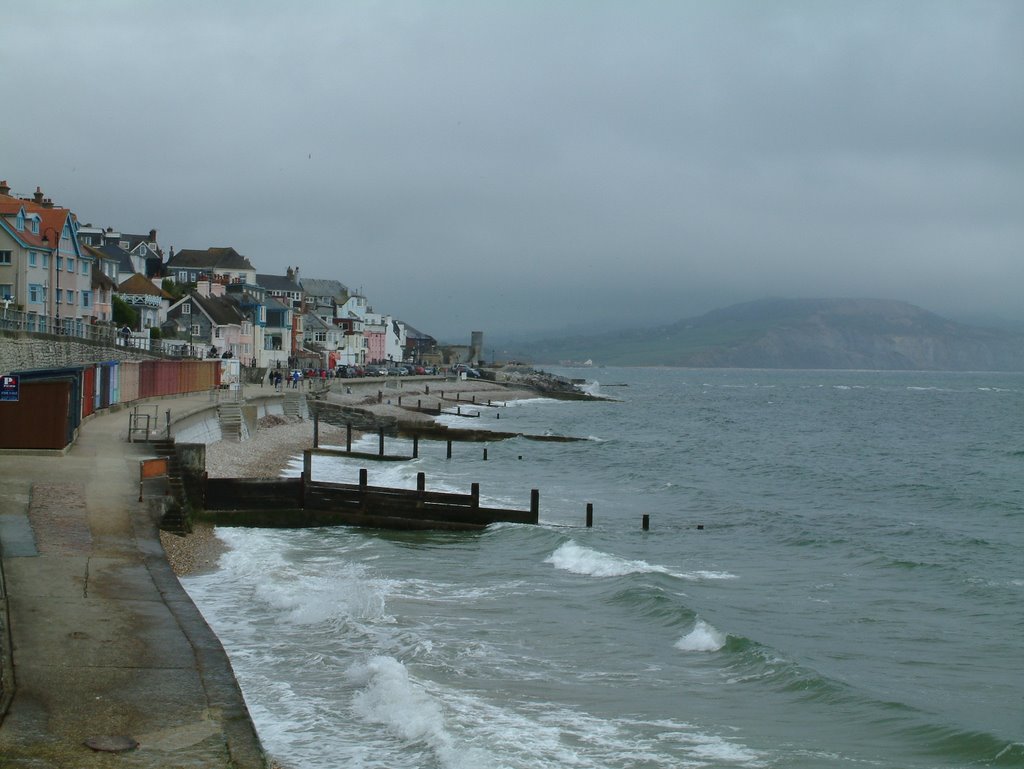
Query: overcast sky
[507, 166]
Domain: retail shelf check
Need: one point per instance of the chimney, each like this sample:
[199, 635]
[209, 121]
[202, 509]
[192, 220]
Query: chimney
[38, 197]
[47, 203]
[5, 188]
[290, 274]
[152, 236]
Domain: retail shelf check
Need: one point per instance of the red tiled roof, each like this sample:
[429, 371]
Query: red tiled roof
[51, 218]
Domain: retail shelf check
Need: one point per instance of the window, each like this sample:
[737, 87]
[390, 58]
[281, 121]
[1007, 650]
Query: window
[71, 296]
[6, 291]
[35, 293]
[71, 264]
[60, 263]
[182, 276]
[86, 298]
[85, 268]
[46, 260]
[195, 330]
[60, 295]
[31, 258]
[5, 257]
[186, 309]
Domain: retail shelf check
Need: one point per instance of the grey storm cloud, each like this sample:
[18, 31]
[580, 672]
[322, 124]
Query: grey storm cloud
[525, 165]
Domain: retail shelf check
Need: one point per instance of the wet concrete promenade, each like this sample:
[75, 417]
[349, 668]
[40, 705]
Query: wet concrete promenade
[99, 644]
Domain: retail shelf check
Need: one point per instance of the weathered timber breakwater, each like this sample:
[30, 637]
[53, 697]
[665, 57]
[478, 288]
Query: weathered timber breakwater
[347, 411]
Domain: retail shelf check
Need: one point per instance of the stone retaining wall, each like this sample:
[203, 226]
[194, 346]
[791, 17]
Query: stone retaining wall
[20, 351]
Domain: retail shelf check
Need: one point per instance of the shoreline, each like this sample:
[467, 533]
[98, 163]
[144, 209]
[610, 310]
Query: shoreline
[266, 454]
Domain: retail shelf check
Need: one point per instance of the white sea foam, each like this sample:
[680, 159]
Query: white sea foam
[389, 697]
[582, 560]
[577, 559]
[703, 638]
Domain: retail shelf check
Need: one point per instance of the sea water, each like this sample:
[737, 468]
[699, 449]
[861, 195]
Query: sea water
[833, 577]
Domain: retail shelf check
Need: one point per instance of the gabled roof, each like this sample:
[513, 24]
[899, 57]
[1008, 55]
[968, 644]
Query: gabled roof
[221, 310]
[52, 218]
[414, 333]
[311, 321]
[114, 253]
[225, 258]
[140, 285]
[277, 283]
[26, 237]
[100, 279]
[332, 288]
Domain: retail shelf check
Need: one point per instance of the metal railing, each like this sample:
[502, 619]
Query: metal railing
[78, 328]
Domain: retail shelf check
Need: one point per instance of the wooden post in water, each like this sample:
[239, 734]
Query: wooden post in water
[380, 433]
[348, 437]
[485, 454]
[316, 430]
[307, 465]
[419, 403]
[535, 503]
[459, 410]
[646, 522]
[499, 415]
[449, 449]
[415, 446]
[458, 396]
[474, 491]
[380, 396]
[590, 514]
[473, 398]
[362, 479]
[421, 481]
[399, 400]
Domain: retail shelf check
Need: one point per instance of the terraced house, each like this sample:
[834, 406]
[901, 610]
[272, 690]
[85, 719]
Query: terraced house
[44, 275]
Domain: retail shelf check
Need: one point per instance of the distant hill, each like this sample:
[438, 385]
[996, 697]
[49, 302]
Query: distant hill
[801, 334]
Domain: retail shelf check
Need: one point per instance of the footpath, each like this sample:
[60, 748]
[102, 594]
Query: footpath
[104, 659]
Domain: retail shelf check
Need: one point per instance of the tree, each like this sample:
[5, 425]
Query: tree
[124, 313]
[173, 288]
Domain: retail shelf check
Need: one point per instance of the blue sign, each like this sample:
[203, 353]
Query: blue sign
[10, 389]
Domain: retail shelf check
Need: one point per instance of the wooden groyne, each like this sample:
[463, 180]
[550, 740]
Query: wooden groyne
[302, 502]
[364, 420]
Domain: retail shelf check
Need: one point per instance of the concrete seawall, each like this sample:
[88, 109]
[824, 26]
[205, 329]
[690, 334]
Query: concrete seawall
[101, 646]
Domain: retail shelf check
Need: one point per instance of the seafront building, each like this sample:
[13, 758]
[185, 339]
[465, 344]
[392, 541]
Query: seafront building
[59, 276]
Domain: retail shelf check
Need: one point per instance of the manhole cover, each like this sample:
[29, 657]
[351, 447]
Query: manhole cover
[112, 743]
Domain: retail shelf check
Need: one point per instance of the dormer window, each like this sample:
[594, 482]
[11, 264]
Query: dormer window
[19, 222]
